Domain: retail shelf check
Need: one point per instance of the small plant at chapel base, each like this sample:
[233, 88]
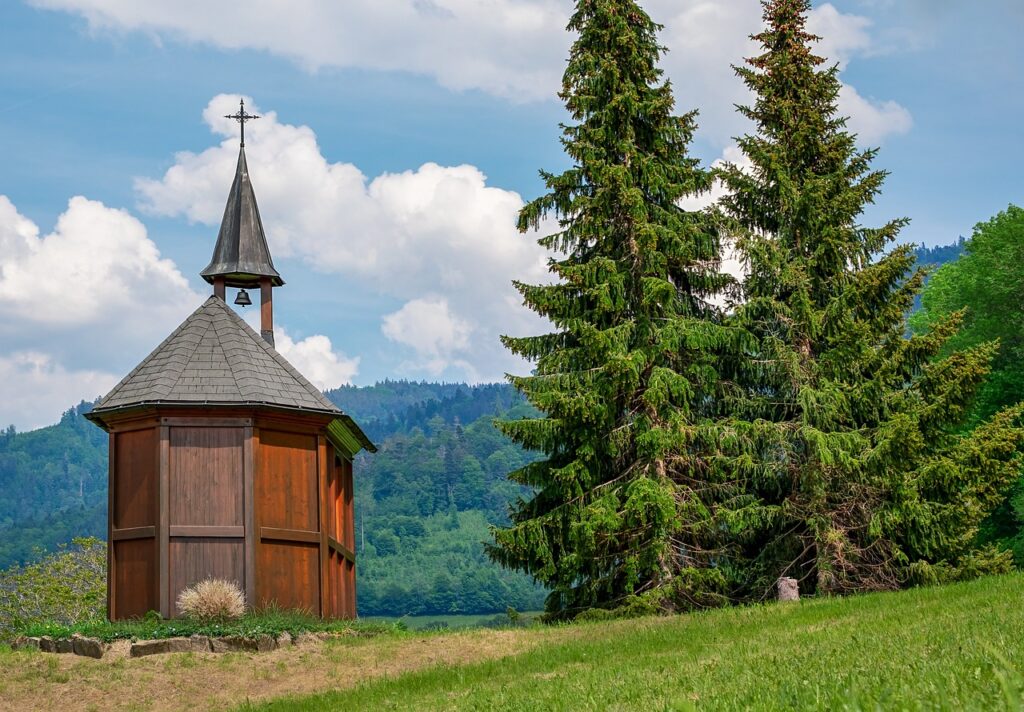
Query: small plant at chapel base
[212, 600]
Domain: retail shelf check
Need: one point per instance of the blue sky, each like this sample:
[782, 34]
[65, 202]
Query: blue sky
[399, 138]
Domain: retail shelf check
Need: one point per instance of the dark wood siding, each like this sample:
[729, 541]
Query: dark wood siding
[341, 537]
[287, 513]
[133, 582]
[194, 559]
[286, 486]
[135, 481]
[206, 476]
[206, 507]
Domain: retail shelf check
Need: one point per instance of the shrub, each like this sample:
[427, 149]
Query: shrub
[212, 600]
[67, 587]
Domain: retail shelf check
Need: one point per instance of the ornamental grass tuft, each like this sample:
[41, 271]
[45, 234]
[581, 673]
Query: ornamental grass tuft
[212, 600]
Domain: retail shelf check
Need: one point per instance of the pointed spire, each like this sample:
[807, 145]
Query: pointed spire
[241, 256]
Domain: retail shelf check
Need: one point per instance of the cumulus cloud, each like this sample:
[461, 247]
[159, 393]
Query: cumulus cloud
[873, 120]
[434, 233]
[96, 265]
[510, 48]
[433, 331]
[316, 359]
[78, 306]
[314, 356]
[37, 389]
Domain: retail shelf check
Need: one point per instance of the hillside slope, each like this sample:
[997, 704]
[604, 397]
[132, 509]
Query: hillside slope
[945, 648]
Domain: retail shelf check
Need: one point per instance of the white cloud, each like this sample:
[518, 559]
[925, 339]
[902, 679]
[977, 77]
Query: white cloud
[78, 305]
[437, 230]
[36, 389]
[873, 120]
[842, 35]
[510, 48]
[97, 265]
[316, 359]
[432, 330]
[314, 356]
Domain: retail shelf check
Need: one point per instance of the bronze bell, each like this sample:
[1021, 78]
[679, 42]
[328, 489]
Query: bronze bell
[242, 299]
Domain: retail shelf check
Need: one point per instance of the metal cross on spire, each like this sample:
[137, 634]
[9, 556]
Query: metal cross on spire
[241, 117]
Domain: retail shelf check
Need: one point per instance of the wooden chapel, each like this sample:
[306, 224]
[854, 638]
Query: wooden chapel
[225, 462]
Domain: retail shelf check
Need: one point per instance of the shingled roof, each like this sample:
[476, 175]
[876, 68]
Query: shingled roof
[215, 358]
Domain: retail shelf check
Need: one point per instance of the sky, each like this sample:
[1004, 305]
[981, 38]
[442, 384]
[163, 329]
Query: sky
[398, 140]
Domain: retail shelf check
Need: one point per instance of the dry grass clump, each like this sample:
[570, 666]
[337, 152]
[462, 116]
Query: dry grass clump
[212, 600]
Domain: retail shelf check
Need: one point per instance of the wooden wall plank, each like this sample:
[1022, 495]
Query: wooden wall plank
[111, 488]
[195, 530]
[286, 482]
[207, 422]
[249, 504]
[134, 578]
[135, 479]
[133, 533]
[324, 465]
[288, 575]
[300, 535]
[163, 534]
[206, 475]
[196, 559]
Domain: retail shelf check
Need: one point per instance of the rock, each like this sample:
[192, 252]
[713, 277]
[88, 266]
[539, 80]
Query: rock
[23, 643]
[200, 643]
[48, 644]
[265, 643]
[789, 589]
[284, 640]
[87, 647]
[233, 644]
[63, 646]
[307, 639]
[160, 647]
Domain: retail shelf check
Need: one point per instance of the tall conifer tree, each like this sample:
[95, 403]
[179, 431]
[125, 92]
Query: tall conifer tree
[861, 480]
[629, 374]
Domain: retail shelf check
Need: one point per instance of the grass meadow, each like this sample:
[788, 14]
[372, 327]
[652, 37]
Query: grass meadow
[958, 647]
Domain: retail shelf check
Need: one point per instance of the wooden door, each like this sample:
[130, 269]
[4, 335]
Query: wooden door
[205, 507]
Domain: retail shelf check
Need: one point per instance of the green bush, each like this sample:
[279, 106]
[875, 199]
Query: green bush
[68, 587]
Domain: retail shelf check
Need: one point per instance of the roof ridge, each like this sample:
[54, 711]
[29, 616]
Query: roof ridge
[145, 362]
[282, 361]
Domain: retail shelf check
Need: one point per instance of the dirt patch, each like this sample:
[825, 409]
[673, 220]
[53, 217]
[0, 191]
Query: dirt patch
[208, 681]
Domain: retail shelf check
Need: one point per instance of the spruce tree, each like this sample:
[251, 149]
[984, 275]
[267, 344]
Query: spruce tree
[627, 379]
[860, 478]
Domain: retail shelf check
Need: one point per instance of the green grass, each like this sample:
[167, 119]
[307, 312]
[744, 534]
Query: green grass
[252, 625]
[958, 647]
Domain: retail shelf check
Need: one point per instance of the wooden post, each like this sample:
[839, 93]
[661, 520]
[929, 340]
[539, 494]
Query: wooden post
[218, 288]
[111, 563]
[267, 310]
[163, 522]
[321, 476]
[163, 532]
[249, 507]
